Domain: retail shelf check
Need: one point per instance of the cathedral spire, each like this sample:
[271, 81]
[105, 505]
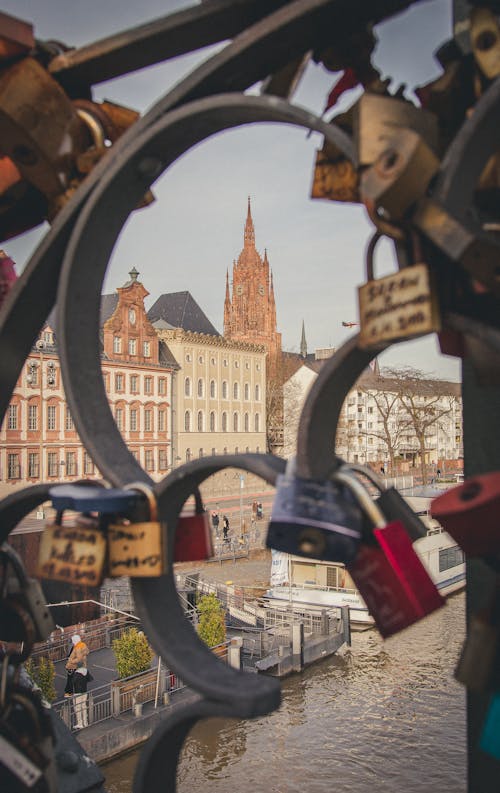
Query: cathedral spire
[227, 308]
[249, 229]
[303, 342]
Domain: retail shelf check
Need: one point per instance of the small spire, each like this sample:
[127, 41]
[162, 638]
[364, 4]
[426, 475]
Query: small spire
[249, 236]
[303, 343]
[133, 274]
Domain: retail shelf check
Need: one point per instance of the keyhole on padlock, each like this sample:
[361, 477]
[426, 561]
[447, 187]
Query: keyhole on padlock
[311, 542]
[470, 491]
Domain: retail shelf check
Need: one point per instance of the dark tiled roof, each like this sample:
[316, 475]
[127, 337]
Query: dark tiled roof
[108, 305]
[166, 356]
[180, 310]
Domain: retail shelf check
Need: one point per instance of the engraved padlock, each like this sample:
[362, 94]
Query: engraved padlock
[392, 504]
[399, 306]
[469, 513]
[193, 537]
[138, 549]
[74, 552]
[391, 579]
[315, 519]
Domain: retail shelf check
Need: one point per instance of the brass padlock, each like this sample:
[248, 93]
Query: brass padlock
[73, 553]
[397, 307]
[335, 176]
[137, 549]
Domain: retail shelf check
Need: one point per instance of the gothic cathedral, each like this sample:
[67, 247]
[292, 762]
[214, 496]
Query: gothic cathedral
[250, 314]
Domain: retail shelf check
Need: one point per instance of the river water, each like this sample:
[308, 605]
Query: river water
[381, 716]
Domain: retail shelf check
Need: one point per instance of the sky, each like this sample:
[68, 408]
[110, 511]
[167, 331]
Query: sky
[189, 237]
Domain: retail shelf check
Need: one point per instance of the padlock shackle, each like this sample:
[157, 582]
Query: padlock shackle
[366, 471]
[151, 498]
[362, 496]
[370, 250]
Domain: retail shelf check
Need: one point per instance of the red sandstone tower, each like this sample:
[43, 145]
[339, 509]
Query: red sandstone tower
[250, 314]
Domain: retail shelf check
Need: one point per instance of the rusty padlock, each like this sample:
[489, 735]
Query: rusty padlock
[469, 513]
[193, 536]
[391, 579]
[137, 549]
[399, 306]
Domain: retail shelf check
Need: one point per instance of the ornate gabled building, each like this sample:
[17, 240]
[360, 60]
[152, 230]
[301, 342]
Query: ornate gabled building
[250, 312]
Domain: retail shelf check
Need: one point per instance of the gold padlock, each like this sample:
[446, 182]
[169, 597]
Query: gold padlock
[397, 307]
[137, 549]
[74, 554]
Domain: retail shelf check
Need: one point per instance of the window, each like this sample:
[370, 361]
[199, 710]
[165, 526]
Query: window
[13, 467]
[148, 385]
[132, 315]
[236, 390]
[212, 389]
[212, 421]
[212, 361]
[149, 461]
[88, 465]
[146, 351]
[200, 453]
[257, 423]
[246, 423]
[187, 387]
[187, 421]
[224, 362]
[247, 365]
[33, 465]
[214, 451]
[117, 344]
[32, 375]
[133, 420]
[51, 417]
[200, 359]
[162, 459]
[236, 450]
[236, 364]
[235, 422]
[200, 421]
[119, 418]
[224, 389]
[105, 380]
[247, 449]
[148, 420]
[52, 467]
[162, 423]
[162, 386]
[134, 384]
[32, 417]
[188, 455]
[68, 421]
[370, 410]
[450, 557]
[71, 464]
[119, 382]
[188, 357]
[224, 422]
[247, 391]
[257, 366]
[132, 346]
[200, 387]
[12, 418]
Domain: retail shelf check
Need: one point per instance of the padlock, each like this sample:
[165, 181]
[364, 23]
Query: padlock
[390, 577]
[490, 736]
[315, 519]
[393, 505]
[469, 513]
[477, 667]
[485, 41]
[24, 617]
[193, 537]
[76, 553]
[400, 175]
[138, 549]
[397, 307]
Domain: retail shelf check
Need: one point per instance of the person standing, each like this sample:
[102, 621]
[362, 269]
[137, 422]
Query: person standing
[215, 522]
[225, 528]
[80, 682]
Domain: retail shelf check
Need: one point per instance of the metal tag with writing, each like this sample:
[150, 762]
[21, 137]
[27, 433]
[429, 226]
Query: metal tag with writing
[397, 307]
[135, 549]
[74, 554]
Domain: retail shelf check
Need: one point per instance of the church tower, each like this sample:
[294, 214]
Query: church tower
[250, 310]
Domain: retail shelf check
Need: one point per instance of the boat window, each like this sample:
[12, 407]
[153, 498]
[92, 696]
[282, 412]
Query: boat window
[450, 557]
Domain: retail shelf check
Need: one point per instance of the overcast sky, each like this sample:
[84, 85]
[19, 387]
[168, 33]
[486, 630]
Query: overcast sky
[192, 233]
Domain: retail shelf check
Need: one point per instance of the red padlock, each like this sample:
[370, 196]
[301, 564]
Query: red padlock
[391, 579]
[193, 536]
[469, 513]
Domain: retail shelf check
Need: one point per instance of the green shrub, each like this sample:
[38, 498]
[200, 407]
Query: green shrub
[211, 627]
[42, 672]
[132, 652]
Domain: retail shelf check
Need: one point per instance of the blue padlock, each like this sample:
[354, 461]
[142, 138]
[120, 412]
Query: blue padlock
[314, 519]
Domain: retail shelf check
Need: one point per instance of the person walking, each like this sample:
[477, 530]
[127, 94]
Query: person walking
[81, 680]
[225, 528]
[215, 522]
[78, 655]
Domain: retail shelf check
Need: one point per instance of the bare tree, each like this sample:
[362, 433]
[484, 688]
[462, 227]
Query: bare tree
[390, 428]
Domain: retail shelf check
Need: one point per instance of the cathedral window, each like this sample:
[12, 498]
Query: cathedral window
[224, 389]
[236, 390]
[200, 421]
[200, 387]
[212, 421]
[246, 424]
[224, 422]
[212, 389]
[187, 387]
[187, 421]
[235, 422]
[257, 423]
[247, 391]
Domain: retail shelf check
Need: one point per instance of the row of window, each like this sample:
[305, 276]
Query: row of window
[134, 382]
[225, 362]
[212, 422]
[201, 452]
[200, 389]
[133, 346]
[71, 464]
[134, 416]
[51, 414]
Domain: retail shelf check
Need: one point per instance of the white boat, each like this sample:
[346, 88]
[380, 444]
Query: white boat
[317, 585]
